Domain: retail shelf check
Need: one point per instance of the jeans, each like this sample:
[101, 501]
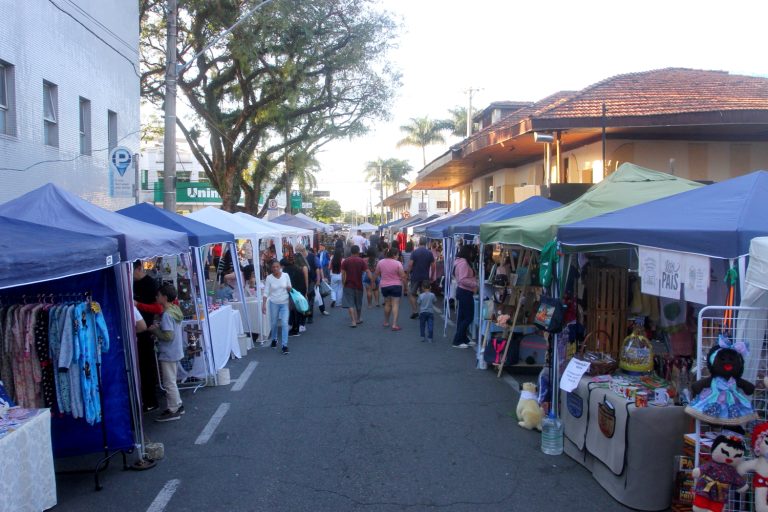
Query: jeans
[466, 305]
[278, 317]
[427, 319]
[168, 370]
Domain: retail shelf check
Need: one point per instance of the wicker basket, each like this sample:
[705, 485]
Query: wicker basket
[600, 363]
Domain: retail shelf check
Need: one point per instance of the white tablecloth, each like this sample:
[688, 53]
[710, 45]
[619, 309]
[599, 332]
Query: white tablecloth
[259, 321]
[226, 325]
[27, 479]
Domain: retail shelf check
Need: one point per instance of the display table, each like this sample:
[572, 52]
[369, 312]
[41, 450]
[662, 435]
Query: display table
[226, 324]
[635, 462]
[27, 479]
[259, 322]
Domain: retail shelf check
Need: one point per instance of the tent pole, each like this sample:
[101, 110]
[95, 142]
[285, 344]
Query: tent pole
[202, 312]
[239, 277]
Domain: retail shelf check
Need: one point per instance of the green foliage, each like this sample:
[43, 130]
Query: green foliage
[391, 172]
[422, 132]
[325, 210]
[289, 79]
[457, 121]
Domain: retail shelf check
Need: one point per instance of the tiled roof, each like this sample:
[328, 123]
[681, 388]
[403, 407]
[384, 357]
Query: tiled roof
[665, 91]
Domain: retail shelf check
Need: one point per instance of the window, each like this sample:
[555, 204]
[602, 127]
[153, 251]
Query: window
[50, 115]
[85, 126]
[443, 205]
[7, 121]
[111, 130]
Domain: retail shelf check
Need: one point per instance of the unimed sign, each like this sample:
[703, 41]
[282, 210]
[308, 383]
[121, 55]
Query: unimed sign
[191, 193]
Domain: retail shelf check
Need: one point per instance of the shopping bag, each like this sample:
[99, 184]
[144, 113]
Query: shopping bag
[318, 297]
[549, 315]
[325, 289]
[299, 301]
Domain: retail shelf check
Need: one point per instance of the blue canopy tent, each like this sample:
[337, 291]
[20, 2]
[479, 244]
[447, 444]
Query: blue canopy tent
[436, 228]
[291, 220]
[30, 253]
[471, 224]
[52, 206]
[718, 221]
[199, 235]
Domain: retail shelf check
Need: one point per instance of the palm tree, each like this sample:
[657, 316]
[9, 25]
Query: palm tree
[422, 132]
[390, 172]
[458, 121]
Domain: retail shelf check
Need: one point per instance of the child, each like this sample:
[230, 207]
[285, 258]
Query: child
[169, 350]
[426, 312]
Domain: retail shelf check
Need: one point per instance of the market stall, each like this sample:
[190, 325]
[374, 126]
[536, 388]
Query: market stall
[194, 305]
[684, 244]
[325, 228]
[117, 428]
[365, 227]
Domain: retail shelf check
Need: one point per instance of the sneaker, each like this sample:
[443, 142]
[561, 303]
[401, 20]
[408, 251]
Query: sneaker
[273, 344]
[461, 345]
[302, 328]
[293, 334]
[285, 351]
[181, 410]
[472, 343]
[325, 313]
[168, 416]
[414, 316]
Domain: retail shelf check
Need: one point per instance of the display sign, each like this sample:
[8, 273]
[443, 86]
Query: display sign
[120, 179]
[573, 373]
[663, 273]
[306, 206]
[192, 192]
[321, 193]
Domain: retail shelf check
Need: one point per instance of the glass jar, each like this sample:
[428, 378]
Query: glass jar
[636, 354]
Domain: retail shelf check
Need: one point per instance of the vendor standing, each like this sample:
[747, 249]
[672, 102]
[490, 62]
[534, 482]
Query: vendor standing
[145, 298]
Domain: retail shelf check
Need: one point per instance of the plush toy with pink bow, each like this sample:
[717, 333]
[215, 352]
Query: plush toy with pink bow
[721, 398]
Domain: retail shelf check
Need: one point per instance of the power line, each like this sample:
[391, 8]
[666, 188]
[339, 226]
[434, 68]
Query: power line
[41, 162]
[106, 28]
[97, 36]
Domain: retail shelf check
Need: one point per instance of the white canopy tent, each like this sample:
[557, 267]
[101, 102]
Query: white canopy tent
[365, 227]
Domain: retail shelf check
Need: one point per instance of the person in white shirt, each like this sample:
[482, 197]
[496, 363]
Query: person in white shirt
[276, 289]
[360, 241]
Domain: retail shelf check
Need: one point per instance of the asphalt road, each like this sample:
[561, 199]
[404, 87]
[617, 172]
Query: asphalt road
[361, 419]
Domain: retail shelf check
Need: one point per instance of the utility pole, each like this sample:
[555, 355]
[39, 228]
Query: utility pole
[381, 192]
[469, 92]
[169, 137]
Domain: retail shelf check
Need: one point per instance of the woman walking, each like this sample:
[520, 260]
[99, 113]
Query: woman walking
[466, 281]
[369, 282]
[276, 289]
[299, 283]
[392, 281]
[337, 284]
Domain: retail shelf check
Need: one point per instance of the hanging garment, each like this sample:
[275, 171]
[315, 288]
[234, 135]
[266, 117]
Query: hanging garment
[26, 366]
[70, 391]
[92, 338]
[47, 383]
[54, 350]
[6, 369]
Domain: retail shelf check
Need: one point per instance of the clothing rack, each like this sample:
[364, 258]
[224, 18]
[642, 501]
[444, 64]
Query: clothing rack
[104, 462]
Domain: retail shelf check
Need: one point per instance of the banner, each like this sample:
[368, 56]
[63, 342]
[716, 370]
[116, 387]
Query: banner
[663, 273]
[696, 275]
[671, 279]
[649, 271]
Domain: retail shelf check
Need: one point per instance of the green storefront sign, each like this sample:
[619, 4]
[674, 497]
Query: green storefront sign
[191, 192]
[296, 200]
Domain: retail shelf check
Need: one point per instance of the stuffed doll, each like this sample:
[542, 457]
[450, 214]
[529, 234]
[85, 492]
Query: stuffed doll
[529, 414]
[759, 466]
[715, 478]
[720, 399]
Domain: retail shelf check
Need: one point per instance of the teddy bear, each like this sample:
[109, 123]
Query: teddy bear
[721, 398]
[529, 414]
[715, 478]
[759, 466]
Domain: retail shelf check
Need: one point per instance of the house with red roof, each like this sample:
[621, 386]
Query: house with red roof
[701, 125]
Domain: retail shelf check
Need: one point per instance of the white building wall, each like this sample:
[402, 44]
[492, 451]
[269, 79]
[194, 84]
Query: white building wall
[43, 42]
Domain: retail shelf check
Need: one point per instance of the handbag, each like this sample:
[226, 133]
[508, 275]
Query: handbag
[549, 315]
[325, 289]
[299, 301]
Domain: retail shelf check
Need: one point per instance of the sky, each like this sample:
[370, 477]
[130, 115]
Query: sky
[524, 50]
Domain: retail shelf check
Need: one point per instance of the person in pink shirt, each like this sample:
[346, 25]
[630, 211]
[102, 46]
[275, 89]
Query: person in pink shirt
[392, 281]
[466, 281]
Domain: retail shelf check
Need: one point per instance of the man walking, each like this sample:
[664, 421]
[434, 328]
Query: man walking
[352, 269]
[420, 267]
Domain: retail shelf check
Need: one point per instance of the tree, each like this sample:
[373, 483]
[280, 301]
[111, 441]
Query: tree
[457, 121]
[325, 210]
[287, 80]
[422, 132]
[391, 172]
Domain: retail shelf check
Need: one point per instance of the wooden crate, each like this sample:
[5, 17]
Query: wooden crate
[607, 304]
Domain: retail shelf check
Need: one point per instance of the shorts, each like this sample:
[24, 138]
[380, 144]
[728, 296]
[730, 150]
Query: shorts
[414, 288]
[367, 281]
[392, 291]
[352, 298]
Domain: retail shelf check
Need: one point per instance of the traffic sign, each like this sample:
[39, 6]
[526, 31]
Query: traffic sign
[120, 159]
[306, 206]
[321, 193]
[273, 204]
